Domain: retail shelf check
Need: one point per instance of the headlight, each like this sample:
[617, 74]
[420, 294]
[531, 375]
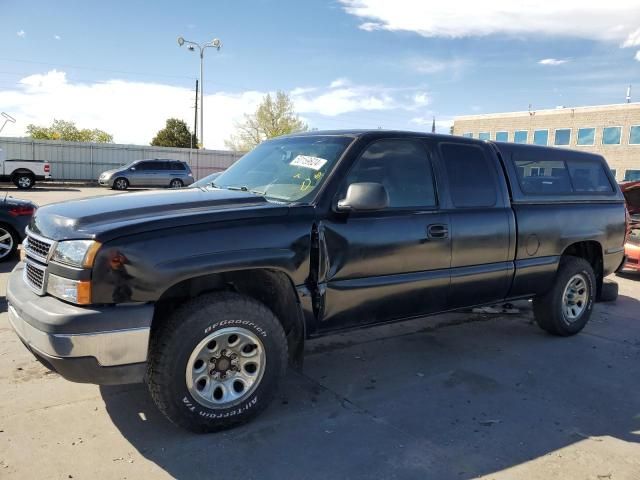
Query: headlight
[77, 253]
[75, 291]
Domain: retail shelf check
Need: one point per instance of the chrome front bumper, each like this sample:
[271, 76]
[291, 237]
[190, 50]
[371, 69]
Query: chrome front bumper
[118, 347]
[100, 342]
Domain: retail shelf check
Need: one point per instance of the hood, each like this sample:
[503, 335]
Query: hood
[110, 216]
[112, 171]
[10, 201]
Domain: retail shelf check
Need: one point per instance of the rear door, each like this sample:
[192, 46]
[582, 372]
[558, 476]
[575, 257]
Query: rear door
[482, 223]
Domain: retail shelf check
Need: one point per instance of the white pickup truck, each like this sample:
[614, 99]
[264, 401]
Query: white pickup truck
[23, 173]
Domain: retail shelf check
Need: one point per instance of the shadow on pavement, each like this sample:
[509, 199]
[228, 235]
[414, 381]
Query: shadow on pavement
[460, 402]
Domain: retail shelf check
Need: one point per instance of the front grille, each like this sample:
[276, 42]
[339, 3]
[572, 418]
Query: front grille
[632, 260]
[37, 247]
[34, 276]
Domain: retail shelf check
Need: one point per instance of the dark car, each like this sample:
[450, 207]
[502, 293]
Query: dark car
[15, 215]
[158, 172]
[206, 294]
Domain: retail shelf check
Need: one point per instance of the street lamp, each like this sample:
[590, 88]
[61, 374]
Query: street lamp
[215, 43]
[7, 118]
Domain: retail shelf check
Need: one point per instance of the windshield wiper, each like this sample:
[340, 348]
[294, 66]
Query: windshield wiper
[244, 188]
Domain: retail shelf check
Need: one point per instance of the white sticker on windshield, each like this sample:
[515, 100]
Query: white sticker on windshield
[315, 163]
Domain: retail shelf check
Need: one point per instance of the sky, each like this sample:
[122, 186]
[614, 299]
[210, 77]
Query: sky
[345, 63]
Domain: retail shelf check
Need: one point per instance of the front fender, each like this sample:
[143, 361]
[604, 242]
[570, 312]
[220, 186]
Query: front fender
[140, 268]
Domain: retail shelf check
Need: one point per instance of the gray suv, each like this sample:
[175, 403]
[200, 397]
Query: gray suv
[148, 173]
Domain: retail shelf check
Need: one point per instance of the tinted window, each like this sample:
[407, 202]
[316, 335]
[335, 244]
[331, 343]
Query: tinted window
[520, 136]
[541, 137]
[588, 176]
[471, 178]
[563, 136]
[162, 166]
[502, 136]
[177, 166]
[484, 136]
[543, 177]
[403, 167]
[634, 135]
[145, 166]
[586, 136]
[611, 135]
[556, 177]
[631, 175]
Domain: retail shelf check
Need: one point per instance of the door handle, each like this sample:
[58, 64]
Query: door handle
[438, 230]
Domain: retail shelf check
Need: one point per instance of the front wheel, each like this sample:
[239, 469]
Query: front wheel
[8, 242]
[565, 309]
[120, 183]
[216, 362]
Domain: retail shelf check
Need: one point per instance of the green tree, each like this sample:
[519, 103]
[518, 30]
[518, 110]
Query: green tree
[273, 117]
[175, 134]
[64, 130]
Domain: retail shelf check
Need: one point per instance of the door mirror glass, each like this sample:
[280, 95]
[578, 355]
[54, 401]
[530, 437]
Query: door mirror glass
[366, 196]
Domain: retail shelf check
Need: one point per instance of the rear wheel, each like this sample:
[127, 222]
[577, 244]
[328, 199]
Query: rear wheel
[8, 242]
[565, 309]
[176, 183]
[216, 362]
[120, 183]
[24, 181]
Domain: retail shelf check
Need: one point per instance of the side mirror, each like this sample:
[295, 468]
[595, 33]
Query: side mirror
[366, 196]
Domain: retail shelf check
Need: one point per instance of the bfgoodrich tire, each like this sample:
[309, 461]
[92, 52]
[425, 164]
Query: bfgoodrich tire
[566, 308]
[216, 362]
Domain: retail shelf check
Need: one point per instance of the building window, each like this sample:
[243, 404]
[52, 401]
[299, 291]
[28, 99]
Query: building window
[586, 136]
[484, 136]
[541, 137]
[520, 136]
[634, 135]
[563, 136]
[611, 135]
[468, 135]
[502, 136]
[631, 175]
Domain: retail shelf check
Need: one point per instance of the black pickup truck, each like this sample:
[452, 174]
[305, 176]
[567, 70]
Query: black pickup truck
[207, 294]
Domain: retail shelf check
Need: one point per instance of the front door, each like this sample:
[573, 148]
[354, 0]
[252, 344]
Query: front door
[393, 263]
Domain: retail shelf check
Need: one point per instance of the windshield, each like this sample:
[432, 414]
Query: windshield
[289, 169]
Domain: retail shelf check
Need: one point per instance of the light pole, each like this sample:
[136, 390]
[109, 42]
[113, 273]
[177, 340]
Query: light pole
[215, 43]
[7, 118]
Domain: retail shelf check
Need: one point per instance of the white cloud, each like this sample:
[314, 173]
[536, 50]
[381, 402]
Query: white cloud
[637, 57]
[344, 97]
[552, 61]
[614, 20]
[633, 40]
[56, 37]
[21, 33]
[134, 111]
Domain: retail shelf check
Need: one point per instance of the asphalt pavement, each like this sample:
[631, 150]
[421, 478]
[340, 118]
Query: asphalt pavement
[455, 396]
